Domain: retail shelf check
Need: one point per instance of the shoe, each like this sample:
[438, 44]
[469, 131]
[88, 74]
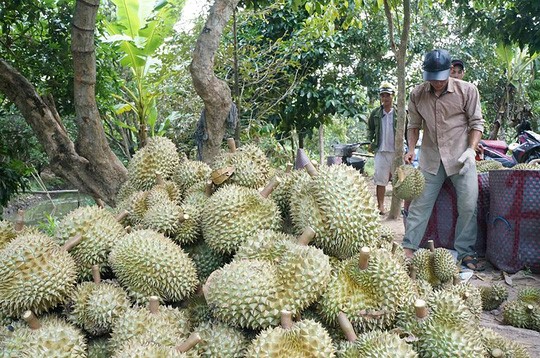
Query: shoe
[472, 263]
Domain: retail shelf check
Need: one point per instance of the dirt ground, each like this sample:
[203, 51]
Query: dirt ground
[493, 319]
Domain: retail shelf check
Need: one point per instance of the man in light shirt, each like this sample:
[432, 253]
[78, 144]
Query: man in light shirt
[457, 69]
[381, 132]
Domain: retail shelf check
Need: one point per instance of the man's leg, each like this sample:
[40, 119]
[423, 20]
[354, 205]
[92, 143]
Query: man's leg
[381, 190]
[420, 211]
[381, 177]
[466, 227]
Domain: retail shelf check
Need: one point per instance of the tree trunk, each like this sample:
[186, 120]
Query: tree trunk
[89, 164]
[214, 92]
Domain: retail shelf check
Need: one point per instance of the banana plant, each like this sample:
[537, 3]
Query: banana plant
[138, 31]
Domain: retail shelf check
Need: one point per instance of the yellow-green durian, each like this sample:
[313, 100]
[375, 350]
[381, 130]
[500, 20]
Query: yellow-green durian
[484, 166]
[189, 173]
[493, 296]
[7, 233]
[499, 346]
[408, 182]
[220, 340]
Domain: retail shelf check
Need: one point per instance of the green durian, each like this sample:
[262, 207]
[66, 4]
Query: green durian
[408, 182]
[499, 346]
[206, 260]
[493, 296]
[189, 173]
[7, 233]
[378, 344]
[484, 166]
[526, 166]
[220, 340]
[99, 347]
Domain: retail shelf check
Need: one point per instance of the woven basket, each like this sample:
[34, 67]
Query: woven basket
[514, 222]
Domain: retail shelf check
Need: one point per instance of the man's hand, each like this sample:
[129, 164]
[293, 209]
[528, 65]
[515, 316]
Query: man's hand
[408, 157]
[467, 159]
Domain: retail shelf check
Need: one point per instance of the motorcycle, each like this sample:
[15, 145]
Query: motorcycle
[525, 150]
[346, 154]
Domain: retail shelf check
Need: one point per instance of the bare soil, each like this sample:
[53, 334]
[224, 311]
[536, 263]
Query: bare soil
[492, 319]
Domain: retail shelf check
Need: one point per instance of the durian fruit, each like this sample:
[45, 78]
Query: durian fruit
[243, 294]
[206, 260]
[471, 296]
[233, 214]
[36, 273]
[150, 349]
[99, 347]
[197, 309]
[529, 295]
[499, 346]
[135, 205]
[192, 205]
[48, 337]
[220, 340]
[374, 344]
[96, 305]
[336, 202]
[526, 166]
[162, 325]
[370, 289]
[189, 173]
[147, 263]
[159, 156]
[493, 296]
[436, 265]
[386, 234]
[251, 166]
[304, 338]
[282, 193]
[164, 213]
[484, 166]
[524, 312]
[99, 230]
[126, 190]
[408, 182]
[7, 233]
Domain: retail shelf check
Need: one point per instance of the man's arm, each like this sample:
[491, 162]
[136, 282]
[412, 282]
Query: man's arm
[371, 130]
[412, 139]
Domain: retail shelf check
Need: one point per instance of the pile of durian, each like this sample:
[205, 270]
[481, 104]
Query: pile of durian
[236, 259]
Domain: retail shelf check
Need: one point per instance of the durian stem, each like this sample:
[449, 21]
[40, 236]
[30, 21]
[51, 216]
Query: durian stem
[31, 319]
[456, 280]
[288, 168]
[159, 179]
[497, 353]
[96, 275]
[99, 202]
[413, 272]
[269, 187]
[394, 247]
[183, 217]
[121, 215]
[307, 235]
[346, 327]
[128, 229]
[311, 169]
[209, 188]
[19, 221]
[431, 245]
[420, 308]
[286, 319]
[189, 343]
[363, 259]
[71, 243]
[400, 175]
[231, 144]
[153, 304]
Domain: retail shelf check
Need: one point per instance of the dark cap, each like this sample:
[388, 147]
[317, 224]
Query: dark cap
[436, 65]
[458, 63]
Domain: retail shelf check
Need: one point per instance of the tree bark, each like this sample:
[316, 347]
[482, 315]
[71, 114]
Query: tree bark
[89, 164]
[214, 92]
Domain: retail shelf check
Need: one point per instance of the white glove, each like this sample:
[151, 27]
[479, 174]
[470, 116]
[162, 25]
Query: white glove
[468, 160]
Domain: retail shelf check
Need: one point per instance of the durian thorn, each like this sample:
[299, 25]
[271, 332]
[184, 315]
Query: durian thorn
[270, 187]
[159, 179]
[96, 275]
[209, 188]
[394, 247]
[346, 327]
[420, 308]
[99, 202]
[19, 221]
[288, 168]
[363, 258]
[311, 169]
[497, 353]
[401, 176]
[431, 245]
[122, 215]
[413, 273]
[307, 235]
[231, 144]
[189, 343]
[31, 319]
[71, 243]
[286, 319]
[153, 304]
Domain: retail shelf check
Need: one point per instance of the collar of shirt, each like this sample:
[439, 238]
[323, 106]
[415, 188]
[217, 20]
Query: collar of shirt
[449, 86]
[389, 112]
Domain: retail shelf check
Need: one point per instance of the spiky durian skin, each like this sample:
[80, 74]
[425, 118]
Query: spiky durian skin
[136, 205]
[147, 264]
[437, 268]
[206, 260]
[344, 223]
[99, 347]
[519, 314]
[305, 338]
[470, 295]
[252, 168]
[55, 338]
[164, 216]
[529, 295]
[493, 296]
[244, 294]
[371, 297]
[143, 349]
[412, 185]
[99, 230]
[7, 233]
[233, 214]
[444, 264]
[303, 271]
[169, 327]
[36, 275]
[95, 307]
[189, 173]
[493, 340]
[526, 166]
[438, 341]
[484, 166]
[377, 344]
[190, 230]
[220, 340]
[159, 156]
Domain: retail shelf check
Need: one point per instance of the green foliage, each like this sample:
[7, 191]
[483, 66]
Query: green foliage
[49, 225]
